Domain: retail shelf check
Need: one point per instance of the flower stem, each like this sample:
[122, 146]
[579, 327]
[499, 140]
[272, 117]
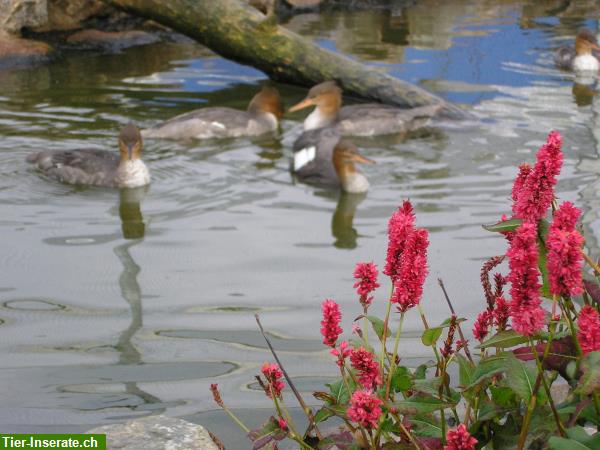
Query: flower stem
[394, 354]
[385, 329]
[591, 262]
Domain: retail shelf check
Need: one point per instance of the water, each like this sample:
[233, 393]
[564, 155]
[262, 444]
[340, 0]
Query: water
[115, 305]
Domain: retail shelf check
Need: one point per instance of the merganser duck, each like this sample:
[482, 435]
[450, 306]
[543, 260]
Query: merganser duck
[365, 119]
[98, 167]
[330, 161]
[262, 116]
[585, 57]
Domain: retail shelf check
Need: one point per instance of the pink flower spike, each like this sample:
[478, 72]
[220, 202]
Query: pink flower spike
[368, 369]
[534, 188]
[589, 329]
[341, 353]
[565, 260]
[273, 375]
[482, 325]
[408, 287]
[501, 313]
[366, 276]
[400, 227]
[365, 408]
[330, 325]
[460, 439]
[282, 424]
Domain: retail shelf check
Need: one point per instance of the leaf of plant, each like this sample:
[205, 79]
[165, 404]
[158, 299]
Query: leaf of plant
[339, 392]
[580, 435]
[521, 379]
[488, 410]
[401, 380]
[487, 368]
[503, 226]
[424, 428]
[341, 439]
[420, 372]
[323, 414]
[267, 433]
[430, 386]
[590, 380]
[562, 352]
[503, 396]
[465, 370]
[504, 339]
[542, 260]
[593, 289]
[431, 335]
[420, 405]
[378, 325]
[558, 443]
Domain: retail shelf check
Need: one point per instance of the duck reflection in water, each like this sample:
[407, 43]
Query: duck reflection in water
[130, 212]
[342, 228]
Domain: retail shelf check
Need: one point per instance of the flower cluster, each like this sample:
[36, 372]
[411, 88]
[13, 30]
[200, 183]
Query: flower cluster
[366, 276]
[408, 288]
[365, 408]
[368, 369]
[330, 325]
[482, 324]
[589, 329]
[273, 375]
[533, 190]
[525, 310]
[400, 227]
[341, 353]
[460, 439]
[564, 244]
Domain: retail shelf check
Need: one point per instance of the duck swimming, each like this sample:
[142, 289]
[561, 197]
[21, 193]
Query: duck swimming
[365, 119]
[262, 116]
[94, 167]
[330, 161]
[584, 57]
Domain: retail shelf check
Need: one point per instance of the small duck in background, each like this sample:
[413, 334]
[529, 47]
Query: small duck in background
[95, 167]
[364, 119]
[584, 57]
[330, 161]
[262, 116]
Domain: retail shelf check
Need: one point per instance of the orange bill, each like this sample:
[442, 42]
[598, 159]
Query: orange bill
[303, 104]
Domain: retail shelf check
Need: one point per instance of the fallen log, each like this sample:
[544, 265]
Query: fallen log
[239, 32]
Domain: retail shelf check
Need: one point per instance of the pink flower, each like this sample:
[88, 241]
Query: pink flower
[527, 315]
[460, 439]
[533, 189]
[368, 369]
[564, 244]
[501, 313]
[366, 276]
[589, 329]
[400, 227]
[365, 408]
[273, 375]
[282, 424]
[330, 325]
[408, 287]
[482, 325]
[341, 354]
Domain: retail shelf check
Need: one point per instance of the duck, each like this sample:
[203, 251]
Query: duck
[330, 161]
[363, 119]
[584, 57]
[94, 167]
[263, 114]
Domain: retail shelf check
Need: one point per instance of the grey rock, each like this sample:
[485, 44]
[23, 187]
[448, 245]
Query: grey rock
[156, 433]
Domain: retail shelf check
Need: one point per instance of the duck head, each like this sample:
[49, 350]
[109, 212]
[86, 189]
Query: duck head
[345, 154]
[267, 101]
[327, 97]
[585, 41]
[130, 143]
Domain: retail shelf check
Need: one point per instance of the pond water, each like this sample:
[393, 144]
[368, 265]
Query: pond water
[115, 305]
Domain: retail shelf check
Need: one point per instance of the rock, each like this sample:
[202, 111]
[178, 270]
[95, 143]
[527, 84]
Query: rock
[17, 51]
[70, 14]
[111, 40]
[17, 14]
[303, 4]
[156, 433]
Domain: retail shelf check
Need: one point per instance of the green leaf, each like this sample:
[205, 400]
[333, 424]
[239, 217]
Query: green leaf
[429, 386]
[465, 370]
[323, 414]
[378, 325]
[558, 443]
[339, 392]
[487, 368]
[401, 380]
[420, 372]
[431, 335]
[503, 226]
[520, 377]
[504, 339]
[580, 435]
[503, 396]
[420, 405]
[542, 261]
[425, 428]
[590, 380]
[488, 411]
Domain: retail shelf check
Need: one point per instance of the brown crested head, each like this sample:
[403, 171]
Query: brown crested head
[585, 41]
[327, 96]
[345, 154]
[267, 100]
[130, 142]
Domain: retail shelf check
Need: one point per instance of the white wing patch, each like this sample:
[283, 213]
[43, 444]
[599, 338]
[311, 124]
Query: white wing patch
[218, 125]
[303, 157]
